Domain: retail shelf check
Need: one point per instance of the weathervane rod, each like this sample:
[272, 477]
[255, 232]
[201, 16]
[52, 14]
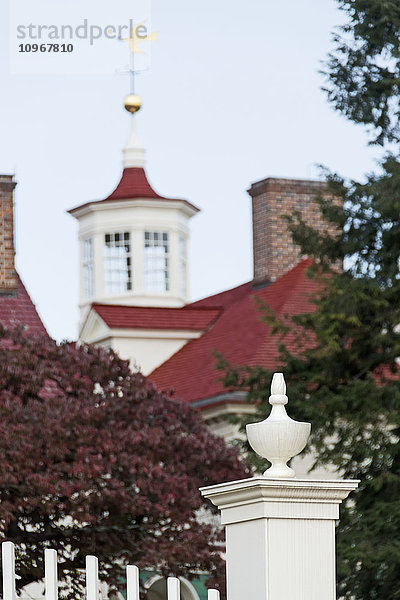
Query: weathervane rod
[132, 69]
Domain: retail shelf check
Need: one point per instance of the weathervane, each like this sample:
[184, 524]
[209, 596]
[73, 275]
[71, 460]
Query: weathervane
[137, 36]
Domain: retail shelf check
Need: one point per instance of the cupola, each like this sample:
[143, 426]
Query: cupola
[134, 243]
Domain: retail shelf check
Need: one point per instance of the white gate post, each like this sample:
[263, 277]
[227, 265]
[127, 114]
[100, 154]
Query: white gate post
[280, 531]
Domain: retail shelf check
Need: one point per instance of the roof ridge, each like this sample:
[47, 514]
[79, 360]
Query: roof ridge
[223, 293]
[191, 307]
[294, 275]
[302, 268]
[166, 308]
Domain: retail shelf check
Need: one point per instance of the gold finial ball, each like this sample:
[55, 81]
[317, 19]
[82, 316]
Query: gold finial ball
[132, 103]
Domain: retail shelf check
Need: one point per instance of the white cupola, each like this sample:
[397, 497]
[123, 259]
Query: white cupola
[134, 243]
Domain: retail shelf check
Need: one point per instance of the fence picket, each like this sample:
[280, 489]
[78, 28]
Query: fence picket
[50, 574]
[8, 565]
[132, 582]
[92, 578]
[174, 588]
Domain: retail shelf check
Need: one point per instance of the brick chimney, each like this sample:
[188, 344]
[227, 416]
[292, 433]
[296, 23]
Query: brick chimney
[274, 252]
[8, 277]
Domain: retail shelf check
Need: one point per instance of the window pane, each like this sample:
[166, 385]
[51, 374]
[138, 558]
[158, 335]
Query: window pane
[117, 262]
[156, 265]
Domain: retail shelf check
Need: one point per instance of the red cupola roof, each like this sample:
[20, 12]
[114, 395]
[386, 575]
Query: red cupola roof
[133, 184]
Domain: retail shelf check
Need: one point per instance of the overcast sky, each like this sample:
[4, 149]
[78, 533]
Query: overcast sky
[232, 96]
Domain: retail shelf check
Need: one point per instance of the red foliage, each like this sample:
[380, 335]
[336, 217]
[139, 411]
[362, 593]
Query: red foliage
[93, 459]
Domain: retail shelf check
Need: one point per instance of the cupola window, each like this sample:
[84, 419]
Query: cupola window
[88, 268]
[182, 264]
[117, 262]
[156, 261]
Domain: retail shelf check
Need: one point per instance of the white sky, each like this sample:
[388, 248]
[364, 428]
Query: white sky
[232, 96]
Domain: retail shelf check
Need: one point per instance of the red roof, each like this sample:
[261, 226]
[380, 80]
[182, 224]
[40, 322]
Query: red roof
[19, 309]
[133, 184]
[238, 334]
[137, 317]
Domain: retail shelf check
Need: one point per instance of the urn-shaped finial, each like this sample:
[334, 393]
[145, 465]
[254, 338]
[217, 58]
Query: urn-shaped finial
[279, 438]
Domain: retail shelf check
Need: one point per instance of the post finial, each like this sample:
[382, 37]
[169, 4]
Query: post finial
[279, 438]
[278, 385]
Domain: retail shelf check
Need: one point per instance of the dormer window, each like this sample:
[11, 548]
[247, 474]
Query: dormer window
[117, 262]
[156, 261]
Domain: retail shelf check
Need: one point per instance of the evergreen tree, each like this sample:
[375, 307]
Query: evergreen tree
[363, 71]
[343, 367]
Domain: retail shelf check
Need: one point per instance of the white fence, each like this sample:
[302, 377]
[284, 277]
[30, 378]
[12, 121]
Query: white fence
[92, 578]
